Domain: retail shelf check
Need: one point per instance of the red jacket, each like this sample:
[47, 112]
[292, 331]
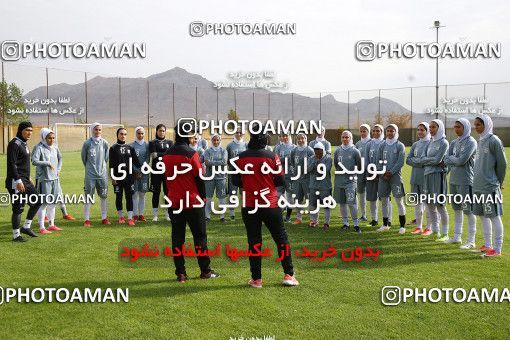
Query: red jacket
[259, 181]
[179, 157]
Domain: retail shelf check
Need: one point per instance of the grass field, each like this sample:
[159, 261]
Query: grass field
[335, 299]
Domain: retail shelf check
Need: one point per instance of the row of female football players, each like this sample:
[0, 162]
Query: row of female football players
[475, 169]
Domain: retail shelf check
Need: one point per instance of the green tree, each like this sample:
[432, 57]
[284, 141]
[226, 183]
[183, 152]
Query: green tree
[402, 120]
[11, 99]
[232, 115]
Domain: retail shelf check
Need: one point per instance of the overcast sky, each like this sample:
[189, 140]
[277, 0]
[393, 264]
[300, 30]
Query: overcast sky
[320, 57]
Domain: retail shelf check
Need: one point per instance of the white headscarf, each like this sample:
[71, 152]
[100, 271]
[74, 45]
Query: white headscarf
[440, 131]
[320, 146]
[427, 127]
[139, 142]
[489, 125]
[323, 131]
[92, 127]
[391, 141]
[349, 133]
[366, 126]
[377, 141]
[215, 148]
[467, 128]
[45, 132]
[238, 141]
[301, 148]
[289, 142]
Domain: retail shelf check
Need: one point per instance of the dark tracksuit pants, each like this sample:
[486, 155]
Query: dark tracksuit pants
[125, 186]
[195, 218]
[272, 218]
[17, 206]
[156, 182]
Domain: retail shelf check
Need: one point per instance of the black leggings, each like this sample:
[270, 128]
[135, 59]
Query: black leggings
[17, 207]
[155, 188]
[195, 218]
[272, 218]
[119, 189]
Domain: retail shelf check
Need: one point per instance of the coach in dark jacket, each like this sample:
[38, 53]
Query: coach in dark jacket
[186, 191]
[257, 155]
[18, 182]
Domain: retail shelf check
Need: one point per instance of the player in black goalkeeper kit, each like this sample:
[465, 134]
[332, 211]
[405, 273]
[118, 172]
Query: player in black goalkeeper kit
[18, 182]
[157, 148]
[119, 154]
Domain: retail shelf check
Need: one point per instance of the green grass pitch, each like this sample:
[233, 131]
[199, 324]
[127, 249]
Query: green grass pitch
[335, 299]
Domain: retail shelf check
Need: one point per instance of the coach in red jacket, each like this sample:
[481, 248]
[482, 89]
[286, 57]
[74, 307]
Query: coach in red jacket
[186, 190]
[256, 155]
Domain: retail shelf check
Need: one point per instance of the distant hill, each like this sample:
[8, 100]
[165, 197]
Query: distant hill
[103, 101]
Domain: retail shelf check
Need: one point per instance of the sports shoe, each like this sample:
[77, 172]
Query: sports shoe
[181, 278]
[87, 224]
[442, 238]
[482, 249]
[289, 280]
[122, 220]
[363, 219]
[106, 221]
[312, 224]
[357, 229]
[325, 227]
[19, 239]
[402, 231]
[492, 252]
[374, 223]
[207, 220]
[345, 227]
[413, 222]
[210, 275]
[232, 217]
[131, 222]
[135, 218]
[453, 240]
[416, 231]
[287, 219]
[141, 218]
[255, 283]
[297, 221]
[154, 218]
[69, 217]
[44, 231]
[426, 232]
[167, 217]
[27, 231]
[468, 245]
[222, 220]
[54, 227]
[384, 228]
